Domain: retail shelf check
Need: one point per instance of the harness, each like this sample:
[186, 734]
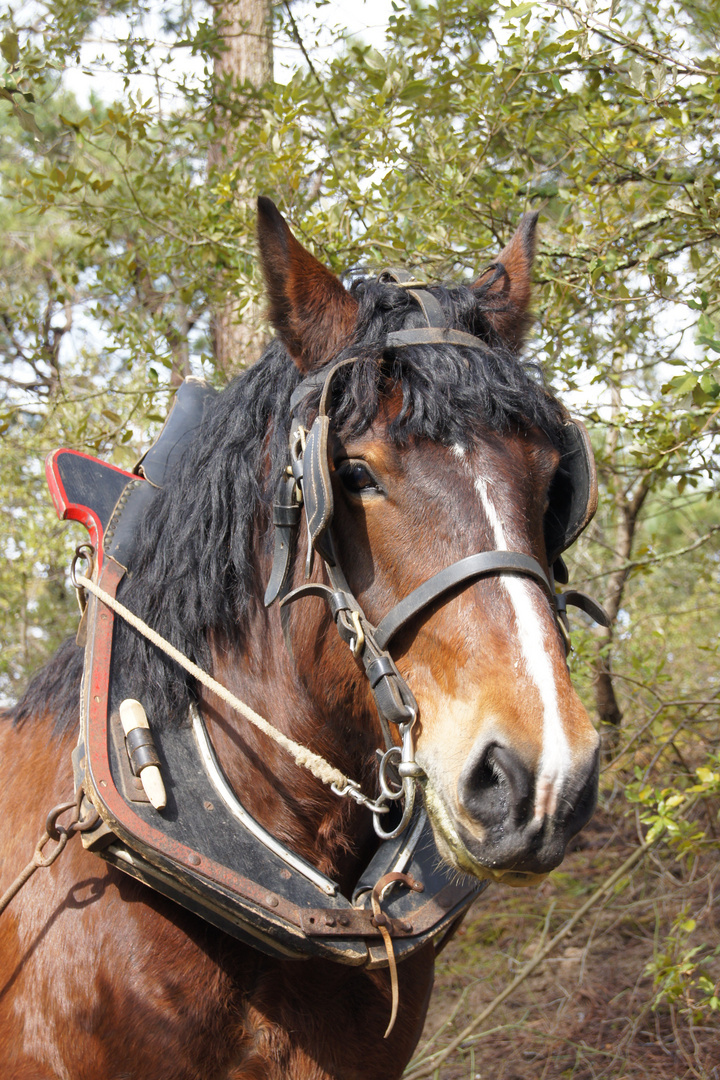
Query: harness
[203, 849]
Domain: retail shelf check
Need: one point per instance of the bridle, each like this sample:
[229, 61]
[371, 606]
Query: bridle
[307, 484]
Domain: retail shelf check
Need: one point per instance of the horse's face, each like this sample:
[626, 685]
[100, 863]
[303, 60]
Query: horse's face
[509, 753]
[508, 750]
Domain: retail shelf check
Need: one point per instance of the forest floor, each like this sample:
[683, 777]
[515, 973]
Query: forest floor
[588, 1012]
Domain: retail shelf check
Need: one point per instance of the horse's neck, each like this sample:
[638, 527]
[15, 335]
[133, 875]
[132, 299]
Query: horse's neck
[331, 833]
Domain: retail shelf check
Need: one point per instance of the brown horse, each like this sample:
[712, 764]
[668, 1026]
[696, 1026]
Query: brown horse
[437, 451]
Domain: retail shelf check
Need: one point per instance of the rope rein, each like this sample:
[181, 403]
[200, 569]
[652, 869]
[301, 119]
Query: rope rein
[317, 765]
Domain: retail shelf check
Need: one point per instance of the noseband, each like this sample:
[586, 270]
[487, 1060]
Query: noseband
[307, 482]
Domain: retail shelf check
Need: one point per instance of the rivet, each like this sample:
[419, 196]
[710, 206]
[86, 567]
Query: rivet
[271, 901]
[329, 921]
[343, 920]
[194, 860]
[285, 875]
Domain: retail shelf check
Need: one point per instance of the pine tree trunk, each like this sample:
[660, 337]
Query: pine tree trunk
[246, 56]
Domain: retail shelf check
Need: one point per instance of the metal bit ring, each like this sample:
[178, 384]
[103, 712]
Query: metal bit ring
[84, 553]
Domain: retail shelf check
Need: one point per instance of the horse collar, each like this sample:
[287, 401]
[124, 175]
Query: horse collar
[204, 850]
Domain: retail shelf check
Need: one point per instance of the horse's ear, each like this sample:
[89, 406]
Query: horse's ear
[310, 309]
[505, 284]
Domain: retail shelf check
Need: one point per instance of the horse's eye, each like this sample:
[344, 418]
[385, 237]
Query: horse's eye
[357, 477]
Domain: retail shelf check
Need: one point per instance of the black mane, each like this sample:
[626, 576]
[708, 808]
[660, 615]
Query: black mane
[197, 568]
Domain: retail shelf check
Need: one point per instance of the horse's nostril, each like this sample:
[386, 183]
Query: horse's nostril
[497, 788]
[488, 774]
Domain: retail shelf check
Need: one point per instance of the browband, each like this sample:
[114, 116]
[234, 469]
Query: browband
[397, 339]
[435, 333]
[432, 335]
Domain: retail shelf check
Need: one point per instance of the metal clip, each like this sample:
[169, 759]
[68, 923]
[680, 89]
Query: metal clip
[408, 765]
[352, 791]
[402, 759]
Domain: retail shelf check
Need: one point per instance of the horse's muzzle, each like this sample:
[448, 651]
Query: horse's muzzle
[499, 825]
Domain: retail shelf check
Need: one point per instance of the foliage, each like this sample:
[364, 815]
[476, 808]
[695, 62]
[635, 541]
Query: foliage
[680, 974]
[679, 968]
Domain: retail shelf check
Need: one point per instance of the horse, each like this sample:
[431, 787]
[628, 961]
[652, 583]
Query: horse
[442, 443]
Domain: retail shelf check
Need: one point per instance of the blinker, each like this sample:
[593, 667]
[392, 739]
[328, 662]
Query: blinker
[317, 486]
[573, 492]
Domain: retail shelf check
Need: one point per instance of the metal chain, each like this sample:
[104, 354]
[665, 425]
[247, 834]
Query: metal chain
[60, 834]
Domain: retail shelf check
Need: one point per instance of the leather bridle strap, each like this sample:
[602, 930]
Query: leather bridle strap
[429, 305]
[435, 332]
[431, 335]
[393, 696]
[394, 699]
[461, 572]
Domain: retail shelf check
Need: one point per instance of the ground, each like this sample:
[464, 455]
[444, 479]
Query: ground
[588, 1011]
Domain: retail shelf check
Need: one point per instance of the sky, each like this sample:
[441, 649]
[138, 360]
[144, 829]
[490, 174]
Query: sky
[322, 26]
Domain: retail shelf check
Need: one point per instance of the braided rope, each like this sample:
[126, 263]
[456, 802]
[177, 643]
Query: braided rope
[316, 764]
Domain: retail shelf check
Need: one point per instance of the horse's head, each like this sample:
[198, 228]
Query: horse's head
[437, 451]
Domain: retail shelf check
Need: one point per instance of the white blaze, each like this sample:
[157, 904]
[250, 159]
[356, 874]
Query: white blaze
[555, 757]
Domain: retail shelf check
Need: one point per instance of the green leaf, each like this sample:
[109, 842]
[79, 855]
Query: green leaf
[375, 60]
[517, 11]
[26, 121]
[10, 48]
[681, 384]
[638, 73]
[413, 90]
